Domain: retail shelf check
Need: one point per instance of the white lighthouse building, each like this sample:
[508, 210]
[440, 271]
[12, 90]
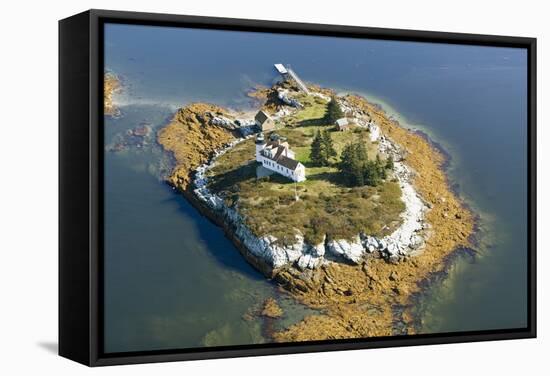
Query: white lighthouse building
[275, 155]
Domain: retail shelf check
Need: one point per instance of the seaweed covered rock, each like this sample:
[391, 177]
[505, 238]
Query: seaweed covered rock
[271, 309]
[192, 138]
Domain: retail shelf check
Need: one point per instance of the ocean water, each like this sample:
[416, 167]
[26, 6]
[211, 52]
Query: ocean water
[172, 280]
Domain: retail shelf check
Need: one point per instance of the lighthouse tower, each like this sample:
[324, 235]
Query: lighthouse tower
[260, 145]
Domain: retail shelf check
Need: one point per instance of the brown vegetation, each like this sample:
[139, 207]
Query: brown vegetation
[191, 139]
[271, 309]
[111, 85]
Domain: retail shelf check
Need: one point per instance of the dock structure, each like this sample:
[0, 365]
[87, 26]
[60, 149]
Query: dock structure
[287, 72]
[300, 83]
[281, 69]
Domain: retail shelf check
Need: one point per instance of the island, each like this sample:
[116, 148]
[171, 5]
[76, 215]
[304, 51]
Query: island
[327, 195]
[111, 85]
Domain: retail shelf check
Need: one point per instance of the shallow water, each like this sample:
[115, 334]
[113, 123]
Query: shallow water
[173, 280]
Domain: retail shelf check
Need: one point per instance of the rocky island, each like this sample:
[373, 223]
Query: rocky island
[111, 85]
[373, 219]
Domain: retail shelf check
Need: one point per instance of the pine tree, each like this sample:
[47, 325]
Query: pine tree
[358, 172]
[322, 149]
[361, 151]
[372, 174]
[346, 162]
[357, 168]
[334, 112]
[380, 167]
[378, 161]
[389, 163]
[354, 161]
[327, 150]
[316, 155]
[346, 158]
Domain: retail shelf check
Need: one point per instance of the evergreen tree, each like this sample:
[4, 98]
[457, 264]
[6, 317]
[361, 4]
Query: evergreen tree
[345, 158]
[358, 172]
[322, 148]
[372, 174]
[316, 155]
[380, 167]
[378, 161]
[361, 151]
[357, 168]
[389, 163]
[354, 160]
[327, 149]
[334, 112]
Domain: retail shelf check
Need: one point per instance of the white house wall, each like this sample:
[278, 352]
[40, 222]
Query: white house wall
[274, 166]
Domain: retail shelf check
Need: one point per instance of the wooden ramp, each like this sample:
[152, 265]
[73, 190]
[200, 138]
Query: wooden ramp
[300, 83]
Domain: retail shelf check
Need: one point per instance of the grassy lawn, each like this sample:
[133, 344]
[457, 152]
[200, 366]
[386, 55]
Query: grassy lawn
[325, 204]
[313, 112]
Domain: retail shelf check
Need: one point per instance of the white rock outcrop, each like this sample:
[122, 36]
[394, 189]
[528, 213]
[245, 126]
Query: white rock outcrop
[283, 96]
[406, 237]
[374, 131]
[351, 250]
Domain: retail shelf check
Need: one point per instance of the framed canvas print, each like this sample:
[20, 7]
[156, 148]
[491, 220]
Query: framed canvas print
[239, 187]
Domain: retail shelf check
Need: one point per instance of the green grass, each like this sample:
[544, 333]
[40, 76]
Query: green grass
[325, 206]
[313, 112]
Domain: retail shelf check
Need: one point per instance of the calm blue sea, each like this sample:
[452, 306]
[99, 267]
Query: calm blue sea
[172, 280]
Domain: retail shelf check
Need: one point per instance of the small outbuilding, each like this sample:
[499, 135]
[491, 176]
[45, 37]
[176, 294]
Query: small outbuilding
[264, 121]
[342, 124]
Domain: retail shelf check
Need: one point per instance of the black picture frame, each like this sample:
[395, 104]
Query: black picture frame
[81, 182]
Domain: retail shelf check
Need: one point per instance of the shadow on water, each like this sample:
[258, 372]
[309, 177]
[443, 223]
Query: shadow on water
[218, 245]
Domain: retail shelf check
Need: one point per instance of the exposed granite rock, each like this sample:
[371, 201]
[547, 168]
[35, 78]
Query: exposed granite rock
[374, 132]
[351, 250]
